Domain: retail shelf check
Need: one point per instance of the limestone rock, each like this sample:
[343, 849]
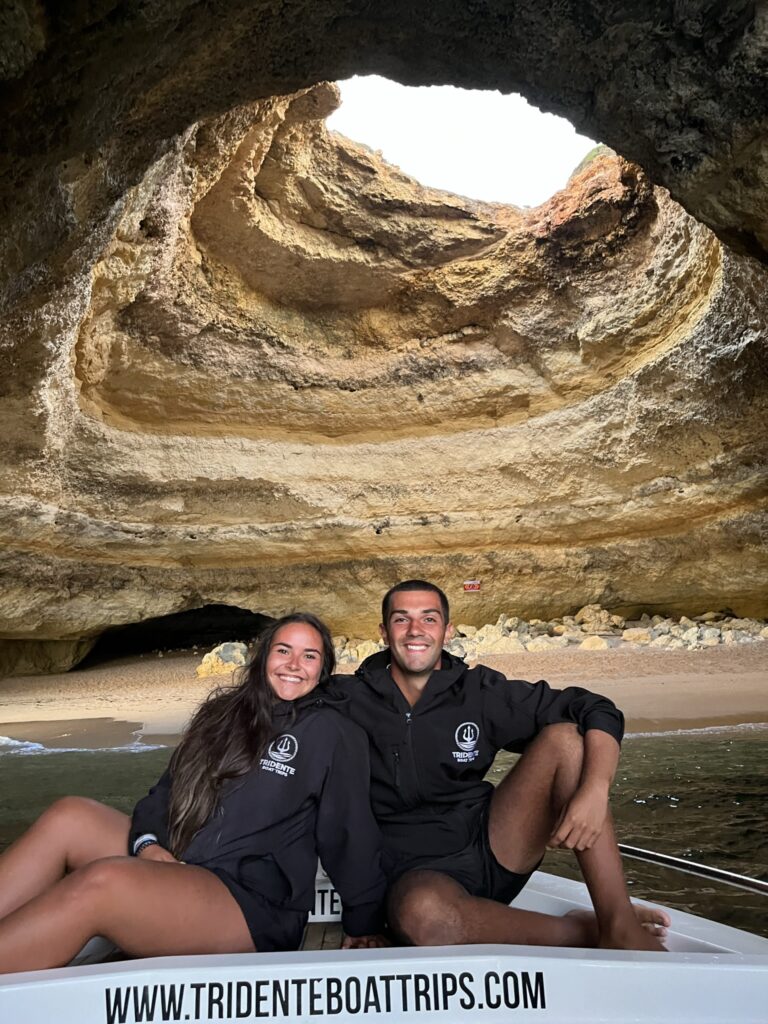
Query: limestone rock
[239, 344]
[735, 636]
[223, 660]
[500, 645]
[594, 643]
[750, 626]
[489, 634]
[40, 657]
[546, 643]
[366, 649]
[457, 648]
[637, 635]
[594, 619]
[665, 642]
[710, 640]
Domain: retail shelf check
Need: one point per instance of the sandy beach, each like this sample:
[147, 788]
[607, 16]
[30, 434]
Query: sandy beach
[151, 697]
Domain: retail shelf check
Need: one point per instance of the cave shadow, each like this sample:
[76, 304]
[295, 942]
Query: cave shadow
[204, 627]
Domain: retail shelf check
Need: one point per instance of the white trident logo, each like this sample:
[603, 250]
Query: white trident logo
[283, 748]
[467, 736]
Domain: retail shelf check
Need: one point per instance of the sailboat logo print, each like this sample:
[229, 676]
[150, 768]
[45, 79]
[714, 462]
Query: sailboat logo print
[283, 748]
[467, 736]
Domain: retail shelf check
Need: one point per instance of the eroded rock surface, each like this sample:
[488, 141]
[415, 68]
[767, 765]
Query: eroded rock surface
[283, 374]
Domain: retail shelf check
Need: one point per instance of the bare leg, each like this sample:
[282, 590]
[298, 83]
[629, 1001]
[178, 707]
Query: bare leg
[73, 832]
[427, 908]
[524, 810]
[144, 907]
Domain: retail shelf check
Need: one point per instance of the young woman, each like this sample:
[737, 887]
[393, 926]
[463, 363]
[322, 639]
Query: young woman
[221, 856]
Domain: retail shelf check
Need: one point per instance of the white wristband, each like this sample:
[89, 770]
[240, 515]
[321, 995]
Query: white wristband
[148, 837]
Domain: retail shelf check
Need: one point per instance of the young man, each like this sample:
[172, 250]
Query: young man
[456, 850]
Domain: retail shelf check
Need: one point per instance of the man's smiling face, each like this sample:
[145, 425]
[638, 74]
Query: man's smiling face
[415, 631]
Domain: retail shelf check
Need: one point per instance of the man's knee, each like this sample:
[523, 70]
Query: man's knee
[423, 909]
[563, 741]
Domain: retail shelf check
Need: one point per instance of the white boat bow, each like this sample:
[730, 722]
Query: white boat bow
[712, 974]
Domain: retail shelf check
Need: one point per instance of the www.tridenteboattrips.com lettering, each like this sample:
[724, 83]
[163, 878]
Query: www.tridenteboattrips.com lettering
[289, 998]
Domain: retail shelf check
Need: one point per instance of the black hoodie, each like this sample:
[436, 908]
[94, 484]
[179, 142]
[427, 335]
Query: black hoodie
[307, 798]
[428, 761]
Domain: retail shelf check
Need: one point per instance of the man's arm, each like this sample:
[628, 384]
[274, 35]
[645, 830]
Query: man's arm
[583, 817]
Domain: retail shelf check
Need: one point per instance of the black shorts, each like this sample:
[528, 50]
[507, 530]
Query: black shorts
[475, 867]
[273, 929]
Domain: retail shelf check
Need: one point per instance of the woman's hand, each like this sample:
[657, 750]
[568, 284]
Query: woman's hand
[157, 853]
[364, 942]
[582, 819]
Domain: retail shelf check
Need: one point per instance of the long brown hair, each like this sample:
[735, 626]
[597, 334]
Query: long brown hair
[228, 734]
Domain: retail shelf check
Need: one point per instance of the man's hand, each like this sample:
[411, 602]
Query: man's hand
[582, 819]
[364, 942]
[157, 853]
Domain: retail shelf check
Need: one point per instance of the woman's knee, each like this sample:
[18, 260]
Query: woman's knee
[68, 812]
[102, 883]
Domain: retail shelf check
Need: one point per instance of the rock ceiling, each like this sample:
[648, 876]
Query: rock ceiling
[249, 363]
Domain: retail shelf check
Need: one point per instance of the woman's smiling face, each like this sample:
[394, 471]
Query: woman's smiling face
[295, 660]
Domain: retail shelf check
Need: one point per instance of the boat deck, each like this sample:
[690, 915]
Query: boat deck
[322, 935]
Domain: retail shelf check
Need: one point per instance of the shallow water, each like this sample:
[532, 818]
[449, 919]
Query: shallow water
[700, 795]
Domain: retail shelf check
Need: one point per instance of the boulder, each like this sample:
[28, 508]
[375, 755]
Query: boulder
[594, 643]
[500, 645]
[546, 643]
[464, 630]
[223, 660]
[366, 649]
[637, 635]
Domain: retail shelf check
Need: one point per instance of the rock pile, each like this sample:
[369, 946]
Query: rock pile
[592, 628]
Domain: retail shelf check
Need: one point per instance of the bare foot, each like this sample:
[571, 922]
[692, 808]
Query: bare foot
[650, 924]
[630, 935]
[653, 919]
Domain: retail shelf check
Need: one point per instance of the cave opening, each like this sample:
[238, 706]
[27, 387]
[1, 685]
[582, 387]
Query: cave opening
[202, 628]
[478, 143]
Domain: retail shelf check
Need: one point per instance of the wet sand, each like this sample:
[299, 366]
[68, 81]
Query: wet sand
[150, 698]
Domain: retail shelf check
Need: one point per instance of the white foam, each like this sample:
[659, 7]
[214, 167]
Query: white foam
[22, 748]
[9, 746]
[708, 730]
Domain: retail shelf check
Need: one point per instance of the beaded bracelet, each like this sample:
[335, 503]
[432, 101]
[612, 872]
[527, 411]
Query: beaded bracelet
[144, 845]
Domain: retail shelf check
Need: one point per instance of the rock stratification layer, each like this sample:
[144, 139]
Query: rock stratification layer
[245, 363]
[284, 374]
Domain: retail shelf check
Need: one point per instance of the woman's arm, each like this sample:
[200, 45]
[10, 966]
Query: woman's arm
[150, 821]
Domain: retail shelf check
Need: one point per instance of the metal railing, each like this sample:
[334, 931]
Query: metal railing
[691, 867]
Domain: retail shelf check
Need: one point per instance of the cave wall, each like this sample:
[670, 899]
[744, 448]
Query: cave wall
[248, 363]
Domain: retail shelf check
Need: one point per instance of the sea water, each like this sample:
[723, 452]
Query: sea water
[698, 794]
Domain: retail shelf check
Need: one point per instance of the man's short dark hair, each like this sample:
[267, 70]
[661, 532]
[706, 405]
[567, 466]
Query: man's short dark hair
[386, 604]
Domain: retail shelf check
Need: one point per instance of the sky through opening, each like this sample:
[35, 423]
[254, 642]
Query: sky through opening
[476, 143]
